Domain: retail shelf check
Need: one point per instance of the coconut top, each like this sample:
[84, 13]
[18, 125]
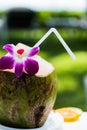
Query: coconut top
[34, 65]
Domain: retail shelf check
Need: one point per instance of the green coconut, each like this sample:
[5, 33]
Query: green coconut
[26, 102]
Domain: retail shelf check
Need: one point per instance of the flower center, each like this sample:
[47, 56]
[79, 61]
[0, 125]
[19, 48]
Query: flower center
[20, 51]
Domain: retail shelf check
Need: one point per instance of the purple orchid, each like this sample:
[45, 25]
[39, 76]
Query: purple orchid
[20, 59]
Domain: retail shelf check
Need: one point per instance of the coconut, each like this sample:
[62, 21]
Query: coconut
[26, 102]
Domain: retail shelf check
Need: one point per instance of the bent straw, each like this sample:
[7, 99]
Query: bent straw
[59, 38]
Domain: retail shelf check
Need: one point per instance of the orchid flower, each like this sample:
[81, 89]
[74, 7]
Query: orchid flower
[20, 59]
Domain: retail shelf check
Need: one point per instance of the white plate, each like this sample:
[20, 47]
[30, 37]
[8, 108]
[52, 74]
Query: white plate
[54, 122]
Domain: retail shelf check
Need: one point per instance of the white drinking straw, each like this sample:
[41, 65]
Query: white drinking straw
[60, 39]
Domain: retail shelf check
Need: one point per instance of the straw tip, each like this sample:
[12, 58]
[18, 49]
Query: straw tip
[74, 57]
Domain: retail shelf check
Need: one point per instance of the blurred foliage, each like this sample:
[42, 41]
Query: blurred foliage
[70, 76]
[70, 73]
[45, 14]
[61, 14]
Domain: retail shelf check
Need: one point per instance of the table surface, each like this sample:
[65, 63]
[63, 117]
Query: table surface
[81, 124]
[55, 122]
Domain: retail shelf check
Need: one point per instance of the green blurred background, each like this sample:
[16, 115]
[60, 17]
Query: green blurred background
[73, 28]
